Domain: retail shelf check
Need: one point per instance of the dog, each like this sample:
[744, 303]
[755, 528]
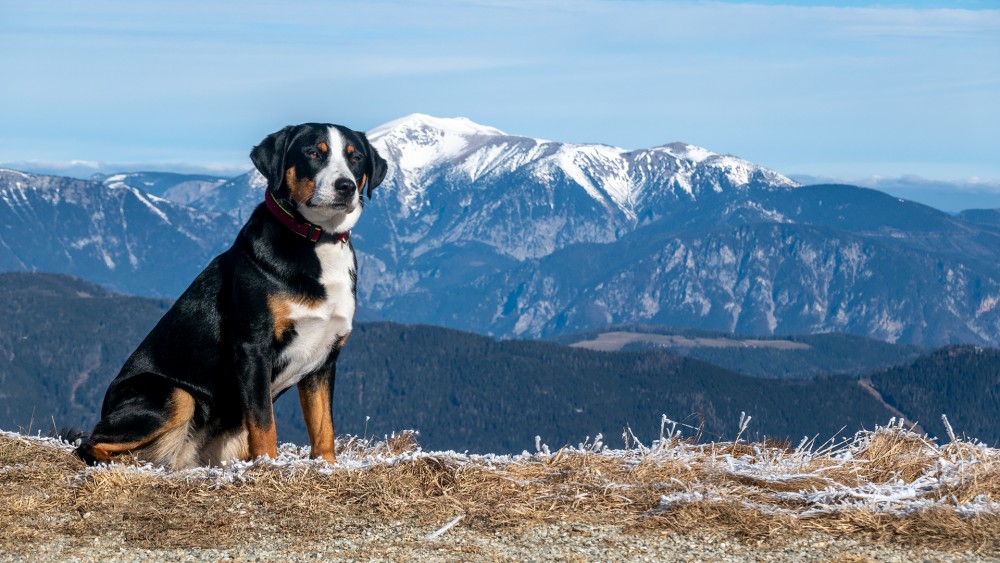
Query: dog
[272, 311]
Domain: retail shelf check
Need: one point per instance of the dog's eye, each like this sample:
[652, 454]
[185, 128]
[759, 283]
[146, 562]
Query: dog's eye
[312, 153]
[355, 157]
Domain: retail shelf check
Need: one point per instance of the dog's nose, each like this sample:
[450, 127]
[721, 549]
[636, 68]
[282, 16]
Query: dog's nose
[343, 187]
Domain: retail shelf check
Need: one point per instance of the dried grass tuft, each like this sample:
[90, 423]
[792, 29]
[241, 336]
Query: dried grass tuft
[889, 484]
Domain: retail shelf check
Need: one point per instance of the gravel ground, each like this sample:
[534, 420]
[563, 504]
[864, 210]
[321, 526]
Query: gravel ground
[361, 541]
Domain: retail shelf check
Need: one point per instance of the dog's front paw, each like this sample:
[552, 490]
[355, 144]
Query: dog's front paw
[327, 456]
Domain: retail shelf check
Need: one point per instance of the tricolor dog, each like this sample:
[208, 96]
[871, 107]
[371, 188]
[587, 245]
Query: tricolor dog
[270, 313]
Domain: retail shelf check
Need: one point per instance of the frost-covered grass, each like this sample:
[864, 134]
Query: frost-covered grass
[889, 484]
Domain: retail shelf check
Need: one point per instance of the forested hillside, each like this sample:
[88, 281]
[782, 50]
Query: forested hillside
[63, 340]
[467, 391]
[962, 382]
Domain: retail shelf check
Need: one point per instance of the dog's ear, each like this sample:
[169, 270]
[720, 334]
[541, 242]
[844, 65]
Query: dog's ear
[269, 156]
[377, 166]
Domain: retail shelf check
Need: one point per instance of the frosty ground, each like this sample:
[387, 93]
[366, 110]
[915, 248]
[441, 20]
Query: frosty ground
[884, 494]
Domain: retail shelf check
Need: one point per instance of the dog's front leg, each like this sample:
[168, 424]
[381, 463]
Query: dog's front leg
[315, 396]
[254, 373]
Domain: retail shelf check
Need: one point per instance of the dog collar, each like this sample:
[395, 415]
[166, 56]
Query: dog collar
[305, 229]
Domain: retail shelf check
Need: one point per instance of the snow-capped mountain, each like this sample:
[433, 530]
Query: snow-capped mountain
[111, 232]
[178, 188]
[526, 197]
[495, 233]
[485, 231]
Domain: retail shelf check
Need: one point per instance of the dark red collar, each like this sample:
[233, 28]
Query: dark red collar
[305, 229]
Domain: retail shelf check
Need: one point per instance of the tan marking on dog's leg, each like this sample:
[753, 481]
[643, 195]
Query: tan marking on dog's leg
[175, 447]
[262, 440]
[315, 401]
[301, 190]
[182, 406]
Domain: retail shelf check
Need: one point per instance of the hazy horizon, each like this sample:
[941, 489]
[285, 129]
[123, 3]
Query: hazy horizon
[838, 90]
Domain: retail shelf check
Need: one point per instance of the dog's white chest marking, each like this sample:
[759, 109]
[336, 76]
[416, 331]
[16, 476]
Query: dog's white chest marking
[319, 324]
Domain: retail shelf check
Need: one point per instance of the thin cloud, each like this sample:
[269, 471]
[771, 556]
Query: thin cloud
[786, 86]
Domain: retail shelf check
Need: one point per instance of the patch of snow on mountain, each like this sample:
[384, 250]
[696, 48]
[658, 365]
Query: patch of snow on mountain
[427, 147]
[614, 175]
[490, 159]
[987, 304]
[569, 160]
[682, 181]
[147, 200]
[257, 180]
[421, 140]
[453, 125]
[687, 152]
[887, 327]
[108, 261]
[738, 171]
[415, 145]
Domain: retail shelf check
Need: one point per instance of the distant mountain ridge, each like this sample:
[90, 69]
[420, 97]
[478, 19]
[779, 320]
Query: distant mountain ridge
[505, 235]
[526, 198]
[178, 188]
[114, 234]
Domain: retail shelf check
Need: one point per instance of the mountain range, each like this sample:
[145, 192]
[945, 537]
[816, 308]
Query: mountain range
[511, 236]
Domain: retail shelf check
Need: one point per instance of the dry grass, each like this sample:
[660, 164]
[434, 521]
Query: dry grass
[890, 485]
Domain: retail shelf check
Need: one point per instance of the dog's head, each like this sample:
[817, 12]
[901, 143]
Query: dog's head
[320, 170]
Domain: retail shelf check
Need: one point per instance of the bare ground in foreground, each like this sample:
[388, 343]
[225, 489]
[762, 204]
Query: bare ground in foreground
[884, 495]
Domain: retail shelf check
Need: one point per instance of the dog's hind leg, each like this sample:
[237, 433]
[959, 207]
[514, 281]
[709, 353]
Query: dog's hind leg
[138, 423]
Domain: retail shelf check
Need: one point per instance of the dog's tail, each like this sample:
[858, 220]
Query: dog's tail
[78, 438]
[69, 434]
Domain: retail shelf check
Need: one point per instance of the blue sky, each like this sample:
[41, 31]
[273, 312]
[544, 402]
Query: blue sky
[836, 90]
